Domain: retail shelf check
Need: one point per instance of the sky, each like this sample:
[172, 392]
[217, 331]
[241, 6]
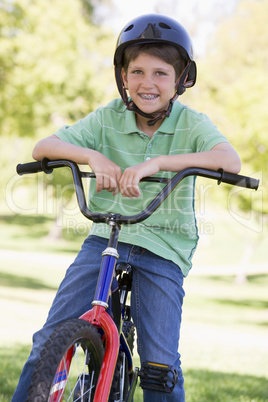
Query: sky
[178, 9]
[199, 17]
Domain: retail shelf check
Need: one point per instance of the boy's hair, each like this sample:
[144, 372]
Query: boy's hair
[168, 53]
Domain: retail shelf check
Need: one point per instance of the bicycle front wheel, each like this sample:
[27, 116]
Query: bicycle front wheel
[69, 365]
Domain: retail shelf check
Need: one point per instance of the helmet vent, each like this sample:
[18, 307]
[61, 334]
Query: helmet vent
[129, 28]
[163, 25]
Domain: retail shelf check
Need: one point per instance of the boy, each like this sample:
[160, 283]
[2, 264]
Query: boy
[143, 134]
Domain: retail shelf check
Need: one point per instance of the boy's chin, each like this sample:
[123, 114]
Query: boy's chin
[149, 110]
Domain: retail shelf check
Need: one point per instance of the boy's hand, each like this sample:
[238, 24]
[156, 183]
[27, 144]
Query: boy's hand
[129, 181]
[107, 172]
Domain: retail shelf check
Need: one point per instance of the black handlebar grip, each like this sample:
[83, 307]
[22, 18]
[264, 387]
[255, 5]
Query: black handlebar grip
[33, 167]
[239, 180]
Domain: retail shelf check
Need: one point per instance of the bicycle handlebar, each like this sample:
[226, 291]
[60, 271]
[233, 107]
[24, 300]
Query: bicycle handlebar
[47, 166]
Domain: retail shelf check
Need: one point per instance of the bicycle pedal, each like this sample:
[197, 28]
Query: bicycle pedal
[158, 377]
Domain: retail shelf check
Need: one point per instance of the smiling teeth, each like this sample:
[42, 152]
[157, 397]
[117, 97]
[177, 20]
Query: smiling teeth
[148, 96]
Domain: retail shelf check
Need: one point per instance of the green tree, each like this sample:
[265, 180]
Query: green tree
[53, 65]
[233, 86]
[232, 89]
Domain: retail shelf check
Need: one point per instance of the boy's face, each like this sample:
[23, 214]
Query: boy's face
[150, 82]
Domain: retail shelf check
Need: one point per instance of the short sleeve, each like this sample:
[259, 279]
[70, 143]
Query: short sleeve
[85, 133]
[204, 134]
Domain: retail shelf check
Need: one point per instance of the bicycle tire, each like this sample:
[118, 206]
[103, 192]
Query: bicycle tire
[85, 347]
[120, 383]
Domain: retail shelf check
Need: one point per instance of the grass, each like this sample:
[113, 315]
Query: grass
[223, 341]
[30, 232]
[10, 368]
[206, 385]
[224, 335]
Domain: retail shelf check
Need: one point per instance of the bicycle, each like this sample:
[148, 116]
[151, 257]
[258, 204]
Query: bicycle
[90, 358]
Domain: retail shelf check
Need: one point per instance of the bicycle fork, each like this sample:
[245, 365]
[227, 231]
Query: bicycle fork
[99, 317]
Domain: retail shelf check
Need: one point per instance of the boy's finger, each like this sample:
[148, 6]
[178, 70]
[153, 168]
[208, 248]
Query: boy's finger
[132, 191]
[99, 183]
[106, 183]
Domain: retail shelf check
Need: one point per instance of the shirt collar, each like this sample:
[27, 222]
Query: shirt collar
[167, 127]
[130, 123]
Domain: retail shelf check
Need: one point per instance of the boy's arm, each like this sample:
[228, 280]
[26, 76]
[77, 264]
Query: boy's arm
[53, 148]
[107, 172]
[221, 156]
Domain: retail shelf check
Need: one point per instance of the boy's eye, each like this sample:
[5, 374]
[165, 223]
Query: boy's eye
[139, 72]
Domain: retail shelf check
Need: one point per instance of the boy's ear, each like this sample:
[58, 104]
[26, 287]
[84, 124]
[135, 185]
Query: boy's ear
[124, 77]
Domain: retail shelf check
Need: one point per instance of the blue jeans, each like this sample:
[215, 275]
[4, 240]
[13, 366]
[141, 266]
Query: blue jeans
[156, 307]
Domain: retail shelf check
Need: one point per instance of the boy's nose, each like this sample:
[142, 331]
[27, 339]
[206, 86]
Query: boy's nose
[147, 82]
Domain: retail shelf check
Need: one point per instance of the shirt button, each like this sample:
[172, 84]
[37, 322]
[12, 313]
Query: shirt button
[148, 158]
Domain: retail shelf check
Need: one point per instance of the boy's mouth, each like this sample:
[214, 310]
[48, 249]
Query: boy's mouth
[148, 96]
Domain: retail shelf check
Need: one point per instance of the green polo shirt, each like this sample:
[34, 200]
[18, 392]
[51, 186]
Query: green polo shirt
[171, 232]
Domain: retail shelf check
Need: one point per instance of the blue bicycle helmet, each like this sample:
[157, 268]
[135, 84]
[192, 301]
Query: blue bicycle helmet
[155, 28]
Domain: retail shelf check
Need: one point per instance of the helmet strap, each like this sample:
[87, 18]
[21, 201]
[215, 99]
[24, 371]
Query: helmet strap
[183, 80]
